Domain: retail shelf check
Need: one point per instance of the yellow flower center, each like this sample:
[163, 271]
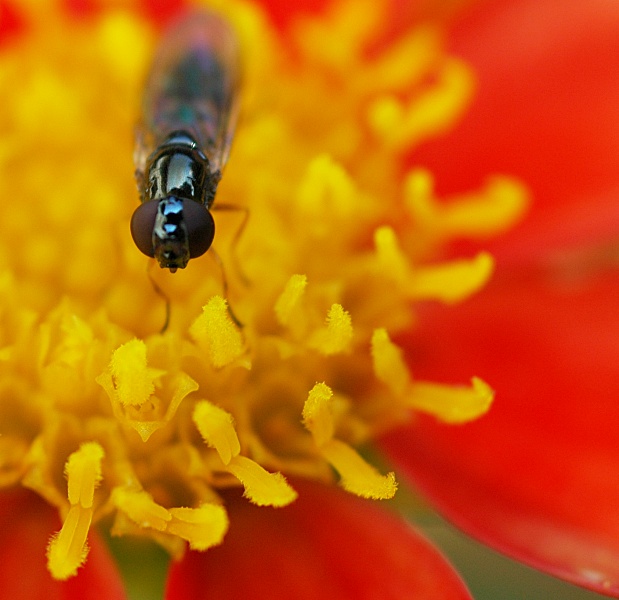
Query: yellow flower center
[104, 416]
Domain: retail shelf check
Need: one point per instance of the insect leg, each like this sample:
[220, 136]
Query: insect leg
[237, 236]
[161, 294]
[224, 284]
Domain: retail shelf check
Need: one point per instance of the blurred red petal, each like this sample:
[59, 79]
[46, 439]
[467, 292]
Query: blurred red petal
[327, 544]
[546, 109]
[537, 477]
[26, 524]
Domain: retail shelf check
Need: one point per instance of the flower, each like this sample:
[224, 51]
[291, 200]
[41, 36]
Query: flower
[157, 433]
[535, 478]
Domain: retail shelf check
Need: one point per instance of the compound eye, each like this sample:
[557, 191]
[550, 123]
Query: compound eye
[142, 225]
[200, 227]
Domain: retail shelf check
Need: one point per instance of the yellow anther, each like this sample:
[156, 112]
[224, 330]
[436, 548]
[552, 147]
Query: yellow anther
[389, 365]
[290, 298]
[217, 333]
[317, 416]
[202, 527]
[357, 476]
[140, 507]
[133, 381]
[261, 487]
[452, 282]
[337, 335]
[216, 427]
[452, 404]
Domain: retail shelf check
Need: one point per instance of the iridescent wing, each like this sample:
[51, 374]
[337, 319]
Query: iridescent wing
[192, 86]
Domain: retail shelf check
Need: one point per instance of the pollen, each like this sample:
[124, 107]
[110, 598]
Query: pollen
[282, 360]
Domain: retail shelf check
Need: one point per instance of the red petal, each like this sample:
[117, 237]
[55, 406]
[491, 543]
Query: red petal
[546, 109]
[26, 524]
[537, 477]
[327, 544]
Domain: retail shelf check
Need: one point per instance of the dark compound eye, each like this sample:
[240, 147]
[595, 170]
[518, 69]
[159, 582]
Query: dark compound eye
[200, 227]
[196, 217]
[142, 225]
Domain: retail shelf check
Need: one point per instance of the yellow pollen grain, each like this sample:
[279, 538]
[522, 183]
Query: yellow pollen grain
[452, 282]
[203, 527]
[216, 332]
[134, 382]
[337, 335]
[217, 429]
[290, 298]
[67, 549]
[452, 404]
[388, 363]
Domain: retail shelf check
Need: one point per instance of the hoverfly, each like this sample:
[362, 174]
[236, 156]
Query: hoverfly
[189, 113]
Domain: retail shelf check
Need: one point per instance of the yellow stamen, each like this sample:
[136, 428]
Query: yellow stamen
[452, 404]
[389, 365]
[403, 124]
[391, 259]
[289, 299]
[215, 331]
[140, 507]
[134, 382]
[337, 335]
[261, 487]
[357, 476]
[67, 549]
[217, 428]
[317, 416]
[202, 527]
[500, 204]
[454, 281]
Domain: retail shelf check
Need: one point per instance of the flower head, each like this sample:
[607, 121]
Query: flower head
[297, 365]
